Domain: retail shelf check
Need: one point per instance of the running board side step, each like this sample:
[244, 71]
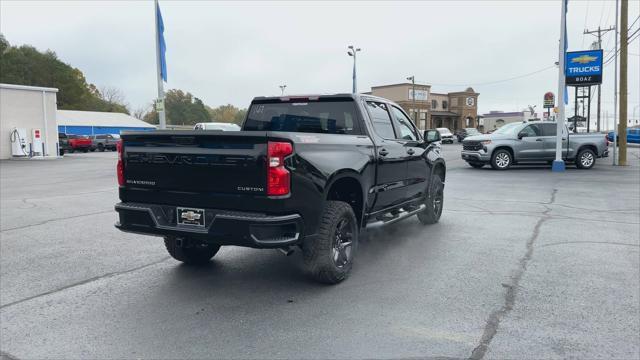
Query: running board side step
[402, 215]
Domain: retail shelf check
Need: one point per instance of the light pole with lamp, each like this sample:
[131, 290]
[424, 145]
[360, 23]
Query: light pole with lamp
[415, 111]
[352, 52]
[282, 87]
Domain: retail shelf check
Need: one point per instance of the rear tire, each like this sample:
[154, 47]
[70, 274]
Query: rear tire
[193, 254]
[476, 165]
[328, 255]
[434, 202]
[586, 159]
[501, 159]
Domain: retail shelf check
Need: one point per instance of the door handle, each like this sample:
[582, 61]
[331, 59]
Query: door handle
[538, 139]
[383, 152]
[410, 151]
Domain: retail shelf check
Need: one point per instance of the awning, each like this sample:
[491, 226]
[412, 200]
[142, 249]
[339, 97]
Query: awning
[443, 113]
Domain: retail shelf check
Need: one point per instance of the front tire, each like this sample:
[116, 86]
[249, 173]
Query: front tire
[501, 159]
[192, 254]
[100, 147]
[434, 202]
[328, 255]
[586, 159]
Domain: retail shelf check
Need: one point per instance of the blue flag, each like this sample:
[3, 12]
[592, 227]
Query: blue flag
[162, 46]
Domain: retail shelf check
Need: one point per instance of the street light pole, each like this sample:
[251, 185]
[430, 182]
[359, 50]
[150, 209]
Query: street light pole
[282, 87]
[415, 111]
[558, 163]
[352, 52]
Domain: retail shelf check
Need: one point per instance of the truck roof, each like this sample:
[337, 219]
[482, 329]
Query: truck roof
[317, 96]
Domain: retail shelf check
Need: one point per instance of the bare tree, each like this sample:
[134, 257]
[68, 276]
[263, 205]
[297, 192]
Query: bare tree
[112, 95]
[140, 113]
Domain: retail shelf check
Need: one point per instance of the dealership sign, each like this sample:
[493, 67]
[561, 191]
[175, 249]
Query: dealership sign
[421, 95]
[583, 67]
[549, 100]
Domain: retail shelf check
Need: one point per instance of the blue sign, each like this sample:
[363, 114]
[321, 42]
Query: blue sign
[583, 67]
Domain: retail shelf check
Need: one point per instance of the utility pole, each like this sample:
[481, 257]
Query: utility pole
[352, 52]
[282, 87]
[622, 125]
[415, 110]
[600, 32]
[615, 95]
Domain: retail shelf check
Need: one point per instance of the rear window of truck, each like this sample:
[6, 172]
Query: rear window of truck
[326, 117]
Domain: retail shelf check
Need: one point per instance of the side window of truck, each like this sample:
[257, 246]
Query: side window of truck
[549, 129]
[403, 124]
[381, 119]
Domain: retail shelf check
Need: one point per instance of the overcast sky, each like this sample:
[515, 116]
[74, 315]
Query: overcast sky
[230, 52]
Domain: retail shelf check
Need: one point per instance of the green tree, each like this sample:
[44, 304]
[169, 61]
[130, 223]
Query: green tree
[182, 108]
[227, 113]
[25, 65]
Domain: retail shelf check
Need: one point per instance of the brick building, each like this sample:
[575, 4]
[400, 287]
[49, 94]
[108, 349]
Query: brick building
[452, 110]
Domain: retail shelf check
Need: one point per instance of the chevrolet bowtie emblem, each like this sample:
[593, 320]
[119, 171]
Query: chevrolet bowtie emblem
[190, 215]
[584, 59]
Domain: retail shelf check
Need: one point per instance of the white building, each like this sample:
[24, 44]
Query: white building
[495, 119]
[30, 108]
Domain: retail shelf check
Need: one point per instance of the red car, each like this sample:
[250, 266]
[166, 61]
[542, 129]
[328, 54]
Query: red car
[79, 143]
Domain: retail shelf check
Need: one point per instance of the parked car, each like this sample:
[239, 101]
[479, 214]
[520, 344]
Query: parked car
[307, 172]
[633, 135]
[532, 142]
[63, 143]
[79, 143]
[104, 142]
[220, 126]
[445, 135]
[463, 133]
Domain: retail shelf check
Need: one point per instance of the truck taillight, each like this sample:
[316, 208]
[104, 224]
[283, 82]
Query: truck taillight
[278, 177]
[120, 166]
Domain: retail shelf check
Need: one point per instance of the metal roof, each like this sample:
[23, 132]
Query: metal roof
[97, 118]
[28, 88]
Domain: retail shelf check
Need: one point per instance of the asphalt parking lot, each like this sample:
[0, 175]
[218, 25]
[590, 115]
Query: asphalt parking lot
[523, 264]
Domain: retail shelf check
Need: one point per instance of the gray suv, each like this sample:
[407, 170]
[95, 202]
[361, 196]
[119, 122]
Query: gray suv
[532, 142]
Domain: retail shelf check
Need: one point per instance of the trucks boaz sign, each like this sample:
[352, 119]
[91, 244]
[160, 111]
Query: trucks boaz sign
[584, 67]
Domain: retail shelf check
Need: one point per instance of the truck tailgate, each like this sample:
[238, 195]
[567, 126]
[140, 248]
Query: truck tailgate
[196, 161]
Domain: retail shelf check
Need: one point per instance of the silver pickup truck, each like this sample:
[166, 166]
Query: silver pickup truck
[532, 142]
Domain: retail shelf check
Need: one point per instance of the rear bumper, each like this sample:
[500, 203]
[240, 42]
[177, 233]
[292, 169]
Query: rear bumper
[221, 227]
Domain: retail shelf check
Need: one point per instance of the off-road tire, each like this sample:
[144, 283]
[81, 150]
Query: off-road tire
[431, 214]
[100, 147]
[586, 159]
[317, 250]
[499, 155]
[193, 254]
[476, 165]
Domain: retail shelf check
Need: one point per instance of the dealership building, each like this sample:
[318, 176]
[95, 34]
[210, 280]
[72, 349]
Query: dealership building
[96, 123]
[453, 110]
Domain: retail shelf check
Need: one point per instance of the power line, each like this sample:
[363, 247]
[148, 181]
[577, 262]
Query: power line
[499, 81]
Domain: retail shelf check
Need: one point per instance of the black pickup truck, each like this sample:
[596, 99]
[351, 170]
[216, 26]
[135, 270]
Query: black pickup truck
[305, 171]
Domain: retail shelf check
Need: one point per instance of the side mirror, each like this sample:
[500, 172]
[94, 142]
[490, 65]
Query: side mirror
[521, 135]
[431, 136]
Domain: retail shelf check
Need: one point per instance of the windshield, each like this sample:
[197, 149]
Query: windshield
[330, 117]
[508, 129]
[443, 131]
[472, 131]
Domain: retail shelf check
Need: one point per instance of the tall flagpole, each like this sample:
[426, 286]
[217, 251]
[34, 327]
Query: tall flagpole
[161, 113]
[558, 163]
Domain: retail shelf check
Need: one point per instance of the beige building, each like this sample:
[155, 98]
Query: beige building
[453, 110]
[30, 108]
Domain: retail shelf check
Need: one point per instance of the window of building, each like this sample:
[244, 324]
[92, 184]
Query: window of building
[403, 124]
[444, 104]
[381, 119]
[434, 104]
